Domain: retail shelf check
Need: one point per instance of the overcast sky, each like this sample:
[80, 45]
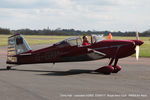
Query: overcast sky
[117, 15]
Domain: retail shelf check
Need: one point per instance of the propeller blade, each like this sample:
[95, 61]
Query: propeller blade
[137, 52]
[137, 35]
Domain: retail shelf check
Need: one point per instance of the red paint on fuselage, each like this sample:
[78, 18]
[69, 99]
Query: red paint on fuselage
[54, 53]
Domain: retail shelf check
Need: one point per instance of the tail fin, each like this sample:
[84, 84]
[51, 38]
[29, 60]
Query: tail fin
[16, 45]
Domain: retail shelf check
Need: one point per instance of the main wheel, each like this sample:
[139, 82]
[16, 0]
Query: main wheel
[8, 67]
[105, 69]
[116, 69]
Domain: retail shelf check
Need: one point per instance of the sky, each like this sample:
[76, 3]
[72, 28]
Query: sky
[98, 15]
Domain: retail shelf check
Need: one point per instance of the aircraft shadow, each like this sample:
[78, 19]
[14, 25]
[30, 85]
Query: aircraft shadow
[69, 72]
[56, 73]
[3, 69]
[13, 69]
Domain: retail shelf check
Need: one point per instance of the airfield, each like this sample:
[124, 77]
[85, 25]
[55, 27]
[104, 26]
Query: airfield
[74, 80]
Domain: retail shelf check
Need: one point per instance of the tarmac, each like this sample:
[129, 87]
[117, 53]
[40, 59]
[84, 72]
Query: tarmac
[74, 80]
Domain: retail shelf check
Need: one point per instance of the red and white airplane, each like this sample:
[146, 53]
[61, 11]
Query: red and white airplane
[72, 50]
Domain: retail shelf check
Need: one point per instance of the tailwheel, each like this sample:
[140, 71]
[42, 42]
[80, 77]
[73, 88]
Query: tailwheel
[8, 67]
[105, 69]
[117, 68]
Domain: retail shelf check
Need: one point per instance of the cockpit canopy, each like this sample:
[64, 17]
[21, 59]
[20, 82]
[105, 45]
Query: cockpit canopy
[77, 41]
[74, 41]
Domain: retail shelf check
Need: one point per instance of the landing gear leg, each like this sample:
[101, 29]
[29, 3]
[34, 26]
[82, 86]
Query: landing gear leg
[111, 61]
[117, 68]
[116, 61]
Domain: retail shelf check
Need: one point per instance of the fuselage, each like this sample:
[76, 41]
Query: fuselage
[66, 53]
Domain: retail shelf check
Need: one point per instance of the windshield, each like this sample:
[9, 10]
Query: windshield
[97, 38]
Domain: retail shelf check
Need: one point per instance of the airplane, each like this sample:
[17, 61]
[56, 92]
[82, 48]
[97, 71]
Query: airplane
[72, 50]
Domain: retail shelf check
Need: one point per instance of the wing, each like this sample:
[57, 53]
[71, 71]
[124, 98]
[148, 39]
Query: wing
[95, 54]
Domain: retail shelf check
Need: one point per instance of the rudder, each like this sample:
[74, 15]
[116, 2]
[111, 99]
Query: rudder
[16, 45]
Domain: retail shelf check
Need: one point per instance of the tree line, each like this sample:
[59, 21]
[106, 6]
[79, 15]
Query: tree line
[68, 32]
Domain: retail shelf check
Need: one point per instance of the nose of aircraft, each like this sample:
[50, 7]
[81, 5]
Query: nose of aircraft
[138, 42]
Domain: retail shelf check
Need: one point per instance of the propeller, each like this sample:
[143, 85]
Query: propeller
[137, 52]
[137, 46]
[137, 34]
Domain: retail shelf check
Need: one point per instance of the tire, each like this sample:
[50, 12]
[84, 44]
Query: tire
[116, 69]
[8, 67]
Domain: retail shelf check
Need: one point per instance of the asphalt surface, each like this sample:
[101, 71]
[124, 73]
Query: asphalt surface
[75, 81]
